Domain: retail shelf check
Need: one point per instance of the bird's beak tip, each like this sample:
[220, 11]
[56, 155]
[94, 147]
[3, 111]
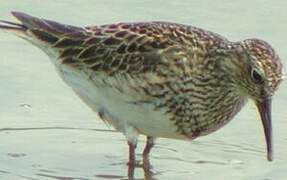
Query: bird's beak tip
[270, 159]
[264, 108]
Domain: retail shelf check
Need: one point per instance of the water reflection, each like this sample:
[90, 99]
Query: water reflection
[148, 174]
[147, 171]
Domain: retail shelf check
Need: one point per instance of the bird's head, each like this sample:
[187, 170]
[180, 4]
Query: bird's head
[259, 76]
[263, 70]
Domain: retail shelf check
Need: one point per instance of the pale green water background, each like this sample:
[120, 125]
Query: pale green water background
[46, 132]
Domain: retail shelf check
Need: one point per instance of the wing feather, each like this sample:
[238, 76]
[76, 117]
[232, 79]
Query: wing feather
[135, 55]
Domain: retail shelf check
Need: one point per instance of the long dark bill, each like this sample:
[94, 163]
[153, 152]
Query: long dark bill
[264, 108]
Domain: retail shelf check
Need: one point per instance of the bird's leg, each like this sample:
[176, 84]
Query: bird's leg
[147, 149]
[132, 139]
[132, 159]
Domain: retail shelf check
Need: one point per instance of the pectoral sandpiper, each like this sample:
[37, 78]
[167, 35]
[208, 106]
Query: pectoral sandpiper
[158, 79]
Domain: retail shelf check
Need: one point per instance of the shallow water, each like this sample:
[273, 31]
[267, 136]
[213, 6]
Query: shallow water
[46, 132]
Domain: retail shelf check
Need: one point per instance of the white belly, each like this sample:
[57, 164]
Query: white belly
[117, 108]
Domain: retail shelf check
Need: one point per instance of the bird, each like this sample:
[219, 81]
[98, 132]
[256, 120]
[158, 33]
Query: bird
[158, 79]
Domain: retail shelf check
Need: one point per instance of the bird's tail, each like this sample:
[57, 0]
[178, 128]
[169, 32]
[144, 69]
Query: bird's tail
[18, 29]
[34, 29]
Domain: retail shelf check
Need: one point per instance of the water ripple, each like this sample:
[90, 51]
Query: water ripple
[55, 128]
[61, 177]
[108, 176]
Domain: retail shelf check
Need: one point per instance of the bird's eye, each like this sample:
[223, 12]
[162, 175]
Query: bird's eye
[256, 77]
